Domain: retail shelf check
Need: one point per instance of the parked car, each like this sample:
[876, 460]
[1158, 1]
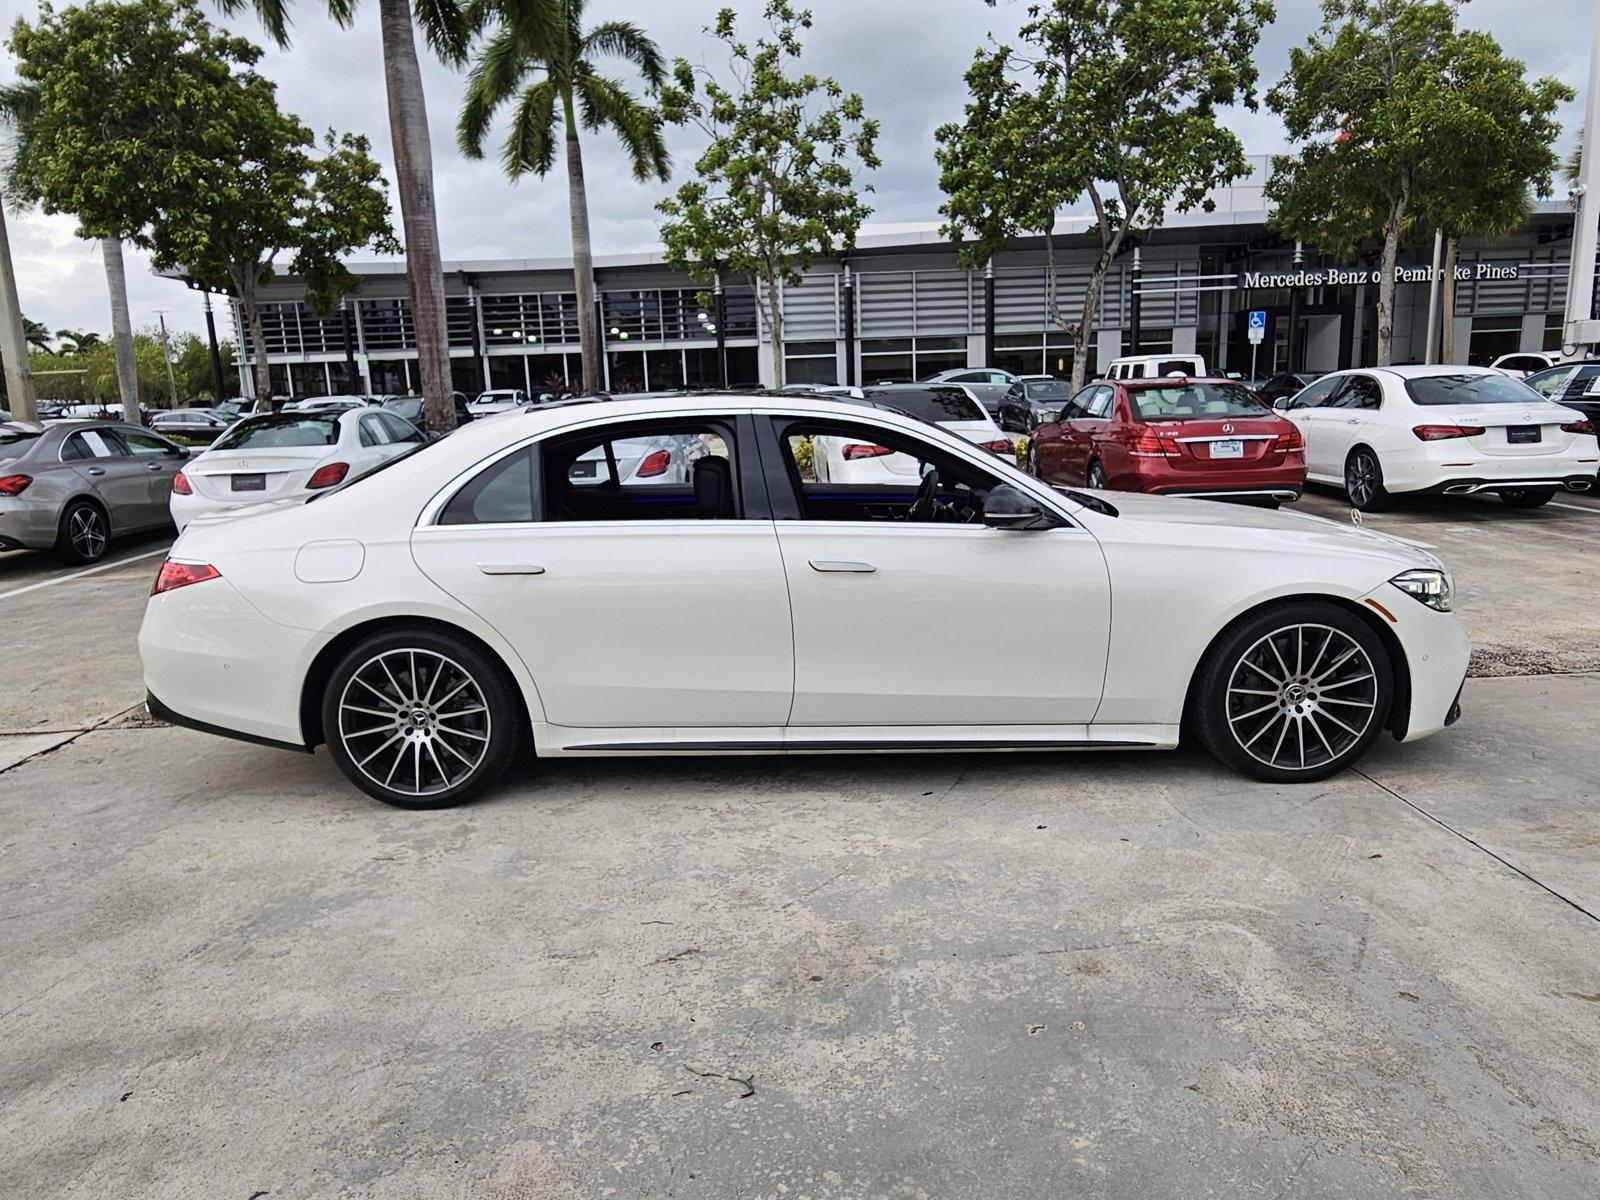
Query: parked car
[1178, 437]
[948, 406]
[326, 404]
[189, 422]
[497, 401]
[287, 456]
[1278, 387]
[1148, 366]
[410, 408]
[1573, 385]
[988, 384]
[1526, 362]
[1441, 429]
[1032, 400]
[73, 486]
[429, 619]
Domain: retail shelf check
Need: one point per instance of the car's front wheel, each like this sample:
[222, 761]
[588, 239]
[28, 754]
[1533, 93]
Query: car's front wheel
[420, 718]
[1295, 693]
[1531, 497]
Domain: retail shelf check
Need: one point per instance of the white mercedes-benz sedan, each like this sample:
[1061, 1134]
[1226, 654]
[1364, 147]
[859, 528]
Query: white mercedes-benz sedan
[429, 620]
[1447, 429]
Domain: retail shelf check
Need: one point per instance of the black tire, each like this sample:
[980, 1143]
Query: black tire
[83, 534]
[1532, 497]
[1095, 477]
[1325, 651]
[1363, 481]
[457, 749]
[1033, 460]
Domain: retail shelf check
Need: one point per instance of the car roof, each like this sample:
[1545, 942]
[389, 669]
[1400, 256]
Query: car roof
[1419, 370]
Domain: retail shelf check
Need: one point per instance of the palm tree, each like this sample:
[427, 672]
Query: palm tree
[37, 336]
[446, 27]
[77, 341]
[540, 56]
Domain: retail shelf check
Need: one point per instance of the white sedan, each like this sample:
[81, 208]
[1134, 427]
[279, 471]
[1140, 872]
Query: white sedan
[498, 401]
[430, 620]
[286, 456]
[841, 460]
[1448, 430]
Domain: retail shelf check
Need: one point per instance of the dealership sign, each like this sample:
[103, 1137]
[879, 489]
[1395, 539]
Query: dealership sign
[1345, 276]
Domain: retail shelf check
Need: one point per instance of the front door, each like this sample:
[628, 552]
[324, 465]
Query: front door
[1307, 410]
[1340, 422]
[895, 590]
[621, 565]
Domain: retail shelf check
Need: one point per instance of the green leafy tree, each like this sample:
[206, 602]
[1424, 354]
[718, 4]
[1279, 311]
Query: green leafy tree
[447, 28]
[776, 188]
[1115, 100]
[540, 56]
[1402, 123]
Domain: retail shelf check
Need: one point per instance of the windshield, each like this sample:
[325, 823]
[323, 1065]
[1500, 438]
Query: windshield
[1049, 389]
[933, 405]
[410, 409]
[1488, 388]
[277, 431]
[1195, 401]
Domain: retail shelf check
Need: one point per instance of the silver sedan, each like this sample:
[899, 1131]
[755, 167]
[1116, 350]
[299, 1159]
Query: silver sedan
[72, 486]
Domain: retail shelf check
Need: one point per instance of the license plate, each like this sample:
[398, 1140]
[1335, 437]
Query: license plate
[583, 470]
[1233, 449]
[249, 483]
[1522, 435]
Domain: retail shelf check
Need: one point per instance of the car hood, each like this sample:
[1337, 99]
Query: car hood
[1297, 530]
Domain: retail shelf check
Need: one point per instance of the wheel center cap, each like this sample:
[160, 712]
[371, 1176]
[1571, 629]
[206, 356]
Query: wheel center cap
[419, 716]
[1294, 693]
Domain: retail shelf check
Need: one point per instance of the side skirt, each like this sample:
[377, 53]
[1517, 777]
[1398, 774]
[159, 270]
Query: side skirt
[555, 740]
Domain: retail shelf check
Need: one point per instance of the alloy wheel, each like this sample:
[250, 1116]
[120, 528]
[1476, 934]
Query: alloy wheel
[1033, 461]
[1097, 476]
[414, 721]
[1301, 697]
[86, 530]
[1359, 479]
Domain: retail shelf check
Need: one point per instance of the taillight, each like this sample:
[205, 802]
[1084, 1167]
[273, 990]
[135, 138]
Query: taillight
[1443, 433]
[1290, 441]
[182, 574]
[1573, 427]
[180, 485]
[1150, 444]
[14, 485]
[654, 463]
[328, 474]
[860, 450]
[999, 446]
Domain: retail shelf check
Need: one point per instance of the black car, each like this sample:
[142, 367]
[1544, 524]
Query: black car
[1575, 385]
[1277, 387]
[1032, 400]
[410, 408]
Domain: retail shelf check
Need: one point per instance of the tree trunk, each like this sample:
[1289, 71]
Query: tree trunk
[260, 372]
[13, 338]
[772, 309]
[1386, 284]
[1447, 301]
[582, 256]
[1091, 305]
[121, 330]
[413, 166]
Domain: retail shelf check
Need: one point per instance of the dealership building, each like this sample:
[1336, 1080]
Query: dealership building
[900, 306]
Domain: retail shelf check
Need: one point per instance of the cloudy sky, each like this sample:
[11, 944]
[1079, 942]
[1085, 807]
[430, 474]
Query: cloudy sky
[906, 58]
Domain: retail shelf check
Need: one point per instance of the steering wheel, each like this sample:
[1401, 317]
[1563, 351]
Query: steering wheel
[924, 507]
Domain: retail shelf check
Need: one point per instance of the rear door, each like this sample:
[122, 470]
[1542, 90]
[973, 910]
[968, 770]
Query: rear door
[110, 471]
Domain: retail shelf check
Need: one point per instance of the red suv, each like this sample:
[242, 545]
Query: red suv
[1171, 435]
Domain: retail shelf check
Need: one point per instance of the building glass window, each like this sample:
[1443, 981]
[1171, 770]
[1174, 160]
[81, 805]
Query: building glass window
[743, 368]
[508, 371]
[700, 368]
[389, 377]
[386, 324]
[344, 379]
[1043, 353]
[1554, 323]
[548, 374]
[663, 369]
[278, 373]
[1151, 341]
[904, 359]
[1492, 337]
[466, 373]
[810, 362]
[627, 371]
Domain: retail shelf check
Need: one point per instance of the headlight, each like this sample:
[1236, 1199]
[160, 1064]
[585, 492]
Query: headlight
[1433, 588]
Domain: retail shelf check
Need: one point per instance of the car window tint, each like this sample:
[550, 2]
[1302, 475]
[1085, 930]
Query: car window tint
[91, 443]
[1316, 395]
[500, 494]
[1100, 403]
[270, 432]
[374, 432]
[1552, 383]
[145, 445]
[664, 470]
[853, 473]
[1469, 388]
[399, 430]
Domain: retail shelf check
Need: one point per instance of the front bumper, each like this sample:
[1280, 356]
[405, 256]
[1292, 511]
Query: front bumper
[1436, 651]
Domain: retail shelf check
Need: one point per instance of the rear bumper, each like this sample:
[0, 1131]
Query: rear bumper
[25, 525]
[1436, 468]
[161, 712]
[1470, 486]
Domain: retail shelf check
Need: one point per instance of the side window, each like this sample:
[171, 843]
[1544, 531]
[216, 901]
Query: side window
[400, 430]
[501, 494]
[91, 443]
[1316, 395]
[1100, 403]
[1078, 406]
[1554, 383]
[373, 432]
[145, 445]
[845, 472]
[1361, 392]
[661, 470]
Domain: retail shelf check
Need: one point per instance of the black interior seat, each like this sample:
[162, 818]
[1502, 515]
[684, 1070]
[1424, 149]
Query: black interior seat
[713, 488]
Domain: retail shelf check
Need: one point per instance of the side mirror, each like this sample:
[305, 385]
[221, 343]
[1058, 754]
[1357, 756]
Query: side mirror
[1281, 404]
[1007, 507]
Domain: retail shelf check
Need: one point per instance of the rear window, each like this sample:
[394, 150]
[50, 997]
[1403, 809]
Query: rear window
[1189, 401]
[933, 405]
[1049, 389]
[279, 430]
[1488, 388]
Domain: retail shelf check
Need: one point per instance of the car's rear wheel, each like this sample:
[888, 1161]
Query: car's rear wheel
[1295, 693]
[1363, 481]
[1033, 460]
[83, 534]
[1531, 497]
[420, 718]
[1096, 477]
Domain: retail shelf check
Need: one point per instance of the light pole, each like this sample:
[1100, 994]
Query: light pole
[166, 357]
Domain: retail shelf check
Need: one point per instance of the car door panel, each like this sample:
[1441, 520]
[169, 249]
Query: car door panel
[115, 478]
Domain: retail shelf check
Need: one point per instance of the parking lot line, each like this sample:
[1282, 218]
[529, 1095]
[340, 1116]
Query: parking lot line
[44, 583]
[1583, 508]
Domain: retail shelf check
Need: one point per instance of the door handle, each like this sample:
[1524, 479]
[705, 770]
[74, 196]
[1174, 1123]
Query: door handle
[1352, 420]
[96, 470]
[510, 568]
[153, 467]
[842, 565]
